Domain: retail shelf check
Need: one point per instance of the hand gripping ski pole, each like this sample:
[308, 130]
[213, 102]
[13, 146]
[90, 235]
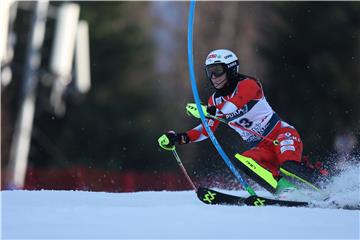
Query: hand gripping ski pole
[242, 181]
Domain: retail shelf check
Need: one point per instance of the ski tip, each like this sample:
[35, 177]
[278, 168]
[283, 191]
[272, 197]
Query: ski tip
[206, 195]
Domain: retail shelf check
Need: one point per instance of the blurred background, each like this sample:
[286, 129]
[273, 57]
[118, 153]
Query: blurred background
[88, 87]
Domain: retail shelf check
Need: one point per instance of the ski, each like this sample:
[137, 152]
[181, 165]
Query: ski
[212, 197]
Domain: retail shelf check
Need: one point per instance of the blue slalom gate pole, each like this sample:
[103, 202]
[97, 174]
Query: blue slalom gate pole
[242, 181]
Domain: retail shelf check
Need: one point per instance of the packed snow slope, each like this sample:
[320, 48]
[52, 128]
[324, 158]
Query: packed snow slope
[64, 214]
[89, 215]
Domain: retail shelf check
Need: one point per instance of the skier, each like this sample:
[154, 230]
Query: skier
[274, 145]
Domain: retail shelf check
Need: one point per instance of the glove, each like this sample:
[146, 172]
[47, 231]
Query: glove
[191, 109]
[167, 140]
[211, 110]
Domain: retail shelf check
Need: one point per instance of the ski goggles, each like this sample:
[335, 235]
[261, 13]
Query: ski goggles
[215, 69]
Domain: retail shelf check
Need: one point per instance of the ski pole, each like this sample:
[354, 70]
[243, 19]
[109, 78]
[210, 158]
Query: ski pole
[191, 109]
[275, 142]
[183, 169]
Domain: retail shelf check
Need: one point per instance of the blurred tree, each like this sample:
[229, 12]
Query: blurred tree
[312, 50]
[117, 121]
[10, 95]
[306, 54]
[116, 125]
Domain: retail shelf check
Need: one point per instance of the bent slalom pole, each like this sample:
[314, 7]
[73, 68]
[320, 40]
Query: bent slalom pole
[226, 159]
[275, 142]
[183, 169]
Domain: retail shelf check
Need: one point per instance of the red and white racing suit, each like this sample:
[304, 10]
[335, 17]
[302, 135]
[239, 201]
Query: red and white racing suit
[247, 106]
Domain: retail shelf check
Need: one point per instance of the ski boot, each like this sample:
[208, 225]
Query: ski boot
[284, 189]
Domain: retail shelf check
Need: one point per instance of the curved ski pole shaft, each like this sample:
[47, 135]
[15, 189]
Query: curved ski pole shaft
[275, 142]
[192, 110]
[183, 169]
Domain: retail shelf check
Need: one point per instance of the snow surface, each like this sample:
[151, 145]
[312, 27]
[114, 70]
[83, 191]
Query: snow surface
[158, 215]
[71, 214]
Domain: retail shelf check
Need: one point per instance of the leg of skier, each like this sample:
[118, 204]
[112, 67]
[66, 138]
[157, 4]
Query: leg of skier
[258, 164]
[281, 159]
[289, 156]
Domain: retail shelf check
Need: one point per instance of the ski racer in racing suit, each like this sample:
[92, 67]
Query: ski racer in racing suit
[240, 100]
